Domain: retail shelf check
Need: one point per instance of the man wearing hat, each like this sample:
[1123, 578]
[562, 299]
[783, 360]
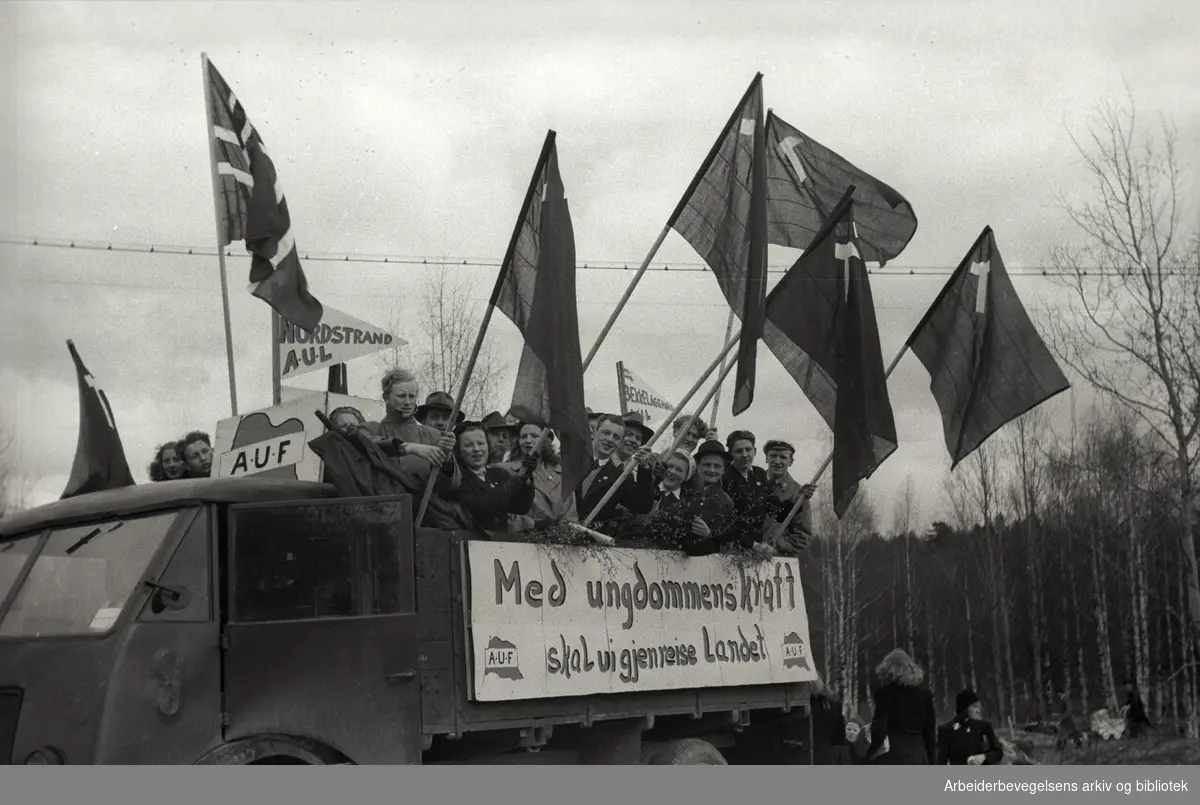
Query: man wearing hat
[636, 435]
[501, 435]
[713, 511]
[782, 493]
[435, 413]
[746, 485]
[968, 740]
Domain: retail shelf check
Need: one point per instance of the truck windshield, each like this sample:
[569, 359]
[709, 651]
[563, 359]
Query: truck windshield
[82, 577]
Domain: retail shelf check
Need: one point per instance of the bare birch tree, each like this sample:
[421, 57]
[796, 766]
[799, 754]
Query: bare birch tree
[1134, 279]
[448, 321]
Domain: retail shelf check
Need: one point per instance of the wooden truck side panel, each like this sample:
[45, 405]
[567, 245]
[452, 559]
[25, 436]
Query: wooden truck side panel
[446, 669]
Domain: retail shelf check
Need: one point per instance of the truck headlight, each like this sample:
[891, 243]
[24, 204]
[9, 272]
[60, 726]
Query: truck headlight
[45, 756]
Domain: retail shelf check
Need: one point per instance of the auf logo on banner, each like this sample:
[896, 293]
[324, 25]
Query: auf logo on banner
[500, 659]
[793, 652]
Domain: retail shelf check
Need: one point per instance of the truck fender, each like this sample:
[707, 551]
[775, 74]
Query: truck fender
[687, 752]
[274, 750]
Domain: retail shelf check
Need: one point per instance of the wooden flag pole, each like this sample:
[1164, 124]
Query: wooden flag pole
[721, 378]
[277, 326]
[630, 465]
[216, 185]
[829, 459]
[633, 283]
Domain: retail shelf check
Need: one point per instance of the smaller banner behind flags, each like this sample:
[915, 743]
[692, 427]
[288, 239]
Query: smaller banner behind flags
[639, 397]
[338, 338]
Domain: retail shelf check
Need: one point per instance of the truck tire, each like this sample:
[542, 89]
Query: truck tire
[688, 752]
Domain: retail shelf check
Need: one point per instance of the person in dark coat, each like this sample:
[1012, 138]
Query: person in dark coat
[1135, 716]
[747, 485]
[491, 494]
[636, 494]
[968, 740]
[713, 515]
[904, 724]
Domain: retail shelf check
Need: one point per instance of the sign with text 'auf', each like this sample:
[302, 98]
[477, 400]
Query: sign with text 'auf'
[551, 621]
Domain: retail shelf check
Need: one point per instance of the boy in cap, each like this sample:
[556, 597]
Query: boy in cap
[968, 740]
[636, 435]
[746, 485]
[501, 435]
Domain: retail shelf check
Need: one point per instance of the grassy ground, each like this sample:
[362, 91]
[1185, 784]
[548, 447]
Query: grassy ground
[1152, 750]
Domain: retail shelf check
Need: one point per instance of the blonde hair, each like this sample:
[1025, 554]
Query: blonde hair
[396, 376]
[900, 668]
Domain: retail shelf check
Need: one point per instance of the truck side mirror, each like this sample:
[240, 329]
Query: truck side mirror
[168, 597]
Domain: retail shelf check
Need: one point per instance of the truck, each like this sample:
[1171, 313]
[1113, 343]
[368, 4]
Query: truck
[255, 620]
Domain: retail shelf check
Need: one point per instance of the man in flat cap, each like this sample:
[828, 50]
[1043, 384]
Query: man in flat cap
[782, 492]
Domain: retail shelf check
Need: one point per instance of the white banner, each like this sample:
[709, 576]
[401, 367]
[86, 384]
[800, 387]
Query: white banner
[639, 397]
[339, 338]
[552, 621]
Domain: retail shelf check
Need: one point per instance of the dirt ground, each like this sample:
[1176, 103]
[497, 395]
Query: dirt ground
[1150, 750]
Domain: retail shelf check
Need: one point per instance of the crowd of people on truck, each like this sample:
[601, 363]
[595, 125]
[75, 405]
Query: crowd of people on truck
[701, 497]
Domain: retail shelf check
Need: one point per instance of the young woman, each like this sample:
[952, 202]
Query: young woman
[168, 464]
[904, 724]
[547, 477]
[490, 494]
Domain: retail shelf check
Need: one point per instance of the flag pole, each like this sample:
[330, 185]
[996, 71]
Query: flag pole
[216, 183]
[633, 283]
[721, 378]
[487, 318]
[630, 465]
[621, 386]
[277, 326]
[829, 459]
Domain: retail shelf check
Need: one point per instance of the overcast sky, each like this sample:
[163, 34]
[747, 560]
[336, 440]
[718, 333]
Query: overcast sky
[411, 129]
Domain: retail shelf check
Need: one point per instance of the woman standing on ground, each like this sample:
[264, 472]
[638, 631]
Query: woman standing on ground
[904, 726]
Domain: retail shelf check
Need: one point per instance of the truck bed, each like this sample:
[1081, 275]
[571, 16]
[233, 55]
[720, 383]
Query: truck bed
[445, 667]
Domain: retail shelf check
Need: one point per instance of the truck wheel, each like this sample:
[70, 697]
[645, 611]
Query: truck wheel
[688, 752]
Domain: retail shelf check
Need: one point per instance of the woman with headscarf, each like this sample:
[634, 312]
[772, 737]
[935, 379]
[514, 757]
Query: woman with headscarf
[168, 463]
[904, 725]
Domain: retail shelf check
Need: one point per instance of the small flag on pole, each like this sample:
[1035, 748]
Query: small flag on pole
[99, 456]
[805, 180]
[987, 363]
[254, 209]
[723, 215]
[821, 326]
[537, 293]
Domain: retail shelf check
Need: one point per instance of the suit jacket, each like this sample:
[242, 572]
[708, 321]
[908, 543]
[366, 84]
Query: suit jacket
[636, 494]
[905, 716]
[492, 498]
[963, 737]
[749, 496]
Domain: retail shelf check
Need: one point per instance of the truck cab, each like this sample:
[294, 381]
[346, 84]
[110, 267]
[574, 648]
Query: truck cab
[267, 621]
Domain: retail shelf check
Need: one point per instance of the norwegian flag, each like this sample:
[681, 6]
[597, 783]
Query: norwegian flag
[252, 207]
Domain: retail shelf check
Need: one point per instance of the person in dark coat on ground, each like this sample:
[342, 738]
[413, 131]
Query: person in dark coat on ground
[968, 740]
[904, 725]
[1137, 722]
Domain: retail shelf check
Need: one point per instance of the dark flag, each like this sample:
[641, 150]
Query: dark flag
[253, 208]
[536, 290]
[723, 215]
[99, 456]
[821, 326]
[986, 361]
[339, 380]
[805, 180]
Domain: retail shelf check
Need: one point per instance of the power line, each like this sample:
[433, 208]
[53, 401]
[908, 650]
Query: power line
[487, 262]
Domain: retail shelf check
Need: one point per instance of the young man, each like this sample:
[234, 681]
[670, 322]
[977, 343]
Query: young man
[968, 740]
[637, 492]
[419, 448]
[196, 449]
[746, 485]
[782, 492]
[636, 435]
